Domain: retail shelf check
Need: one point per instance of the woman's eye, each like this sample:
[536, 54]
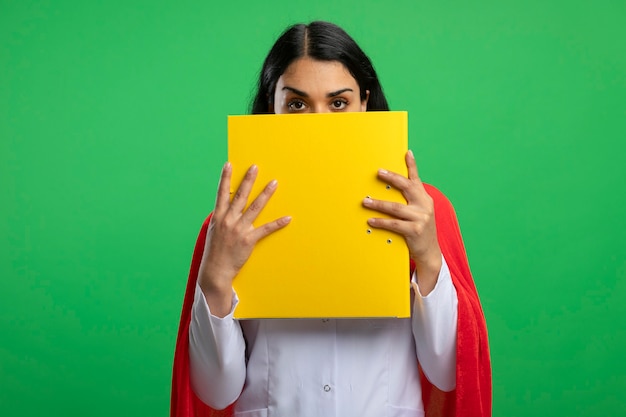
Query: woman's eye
[295, 105]
[339, 104]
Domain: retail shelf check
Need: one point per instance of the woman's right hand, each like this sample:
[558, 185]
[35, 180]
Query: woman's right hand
[231, 237]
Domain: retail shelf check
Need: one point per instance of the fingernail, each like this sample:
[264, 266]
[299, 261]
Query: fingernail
[367, 201]
[383, 171]
[273, 184]
[411, 154]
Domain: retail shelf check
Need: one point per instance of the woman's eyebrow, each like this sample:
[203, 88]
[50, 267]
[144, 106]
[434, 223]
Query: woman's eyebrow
[296, 91]
[331, 94]
[336, 93]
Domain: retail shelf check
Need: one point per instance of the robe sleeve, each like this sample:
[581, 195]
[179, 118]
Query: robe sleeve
[217, 354]
[434, 323]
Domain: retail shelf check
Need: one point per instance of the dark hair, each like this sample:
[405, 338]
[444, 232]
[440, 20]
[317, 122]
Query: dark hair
[323, 41]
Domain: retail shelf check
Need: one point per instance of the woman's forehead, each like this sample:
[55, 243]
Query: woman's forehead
[315, 74]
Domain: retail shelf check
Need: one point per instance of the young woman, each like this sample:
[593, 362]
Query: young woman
[434, 363]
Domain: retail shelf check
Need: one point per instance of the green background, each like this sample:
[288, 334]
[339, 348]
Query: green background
[113, 133]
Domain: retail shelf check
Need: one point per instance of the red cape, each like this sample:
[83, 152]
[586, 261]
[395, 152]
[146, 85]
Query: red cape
[472, 396]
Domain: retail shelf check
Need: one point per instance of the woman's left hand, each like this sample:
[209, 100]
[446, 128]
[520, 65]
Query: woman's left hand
[414, 220]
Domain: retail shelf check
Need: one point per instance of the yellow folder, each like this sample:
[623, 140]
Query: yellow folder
[327, 262]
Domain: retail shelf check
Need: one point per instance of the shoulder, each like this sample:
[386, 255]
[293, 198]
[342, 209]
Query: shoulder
[445, 214]
[433, 191]
[439, 198]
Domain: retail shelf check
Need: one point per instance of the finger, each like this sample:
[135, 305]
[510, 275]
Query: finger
[393, 209]
[223, 189]
[400, 182]
[240, 199]
[269, 228]
[411, 188]
[411, 166]
[260, 202]
[402, 227]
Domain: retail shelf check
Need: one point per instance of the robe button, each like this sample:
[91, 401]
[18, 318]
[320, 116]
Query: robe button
[326, 388]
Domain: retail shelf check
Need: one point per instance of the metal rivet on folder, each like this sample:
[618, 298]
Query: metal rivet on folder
[369, 231]
[388, 240]
[388, 187]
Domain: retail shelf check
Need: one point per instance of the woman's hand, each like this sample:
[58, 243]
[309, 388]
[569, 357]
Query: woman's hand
[414, 220]
[231, 237]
